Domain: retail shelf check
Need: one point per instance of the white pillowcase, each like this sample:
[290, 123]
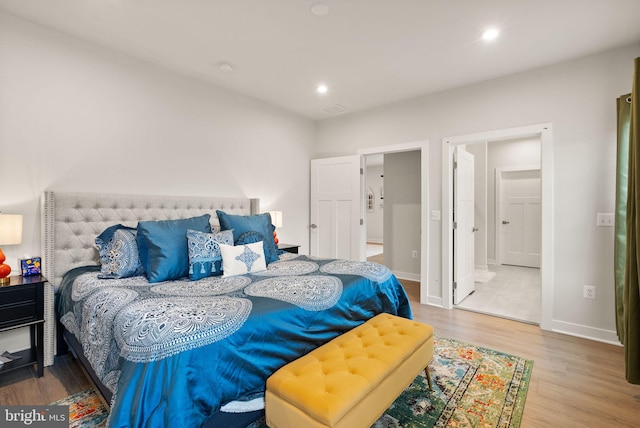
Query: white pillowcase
[241, 259]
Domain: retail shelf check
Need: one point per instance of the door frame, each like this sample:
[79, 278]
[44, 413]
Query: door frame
[423, 146]
[498, 202]
[544, 131]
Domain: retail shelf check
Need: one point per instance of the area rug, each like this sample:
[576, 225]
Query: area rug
[85, 409]
[472, 387]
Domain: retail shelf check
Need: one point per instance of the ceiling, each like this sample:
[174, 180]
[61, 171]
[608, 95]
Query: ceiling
[368, 52]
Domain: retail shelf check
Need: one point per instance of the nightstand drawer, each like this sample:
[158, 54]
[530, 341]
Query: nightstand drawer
[18, 313]
[18, 294]
[22, 305]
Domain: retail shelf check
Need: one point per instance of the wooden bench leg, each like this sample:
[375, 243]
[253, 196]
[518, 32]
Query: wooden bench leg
[428, 375]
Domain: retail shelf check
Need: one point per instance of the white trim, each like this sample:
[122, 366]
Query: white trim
[586, 332]
[544, 131]
[498, 135]
[434, 301]
[423, 146]
[407, 275]
[394, 148]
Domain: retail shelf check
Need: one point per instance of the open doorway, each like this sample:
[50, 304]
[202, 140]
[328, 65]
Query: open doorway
[544, 133]
[507, 223]
[374, 207]
[394, 187]
[405, 249]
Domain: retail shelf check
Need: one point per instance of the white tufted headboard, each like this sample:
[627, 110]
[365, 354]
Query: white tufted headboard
[72, 221]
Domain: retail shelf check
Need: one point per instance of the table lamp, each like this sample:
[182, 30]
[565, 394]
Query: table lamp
[10, 234]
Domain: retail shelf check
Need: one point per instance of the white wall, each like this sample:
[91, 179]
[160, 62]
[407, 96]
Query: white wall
[78, 117]
[578, 98]
[402, 209]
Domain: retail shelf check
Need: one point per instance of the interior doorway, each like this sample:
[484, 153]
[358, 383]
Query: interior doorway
[514, 195]
[542, 135]
[418, 211]
[374, 207]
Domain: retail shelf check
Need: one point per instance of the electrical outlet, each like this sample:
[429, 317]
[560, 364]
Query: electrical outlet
[605, 219]
[589, 292]
[414, 254]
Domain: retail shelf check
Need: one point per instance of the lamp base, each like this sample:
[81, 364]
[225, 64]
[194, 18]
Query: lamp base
[5, 270]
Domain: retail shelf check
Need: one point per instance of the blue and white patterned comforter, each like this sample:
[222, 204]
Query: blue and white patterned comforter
[174, 352]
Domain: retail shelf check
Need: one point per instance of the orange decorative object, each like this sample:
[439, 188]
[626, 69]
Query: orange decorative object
[275, 237]
[5, 270]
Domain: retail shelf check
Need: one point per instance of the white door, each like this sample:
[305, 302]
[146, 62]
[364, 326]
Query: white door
[520, 221]
[463, 234]
[336, 224]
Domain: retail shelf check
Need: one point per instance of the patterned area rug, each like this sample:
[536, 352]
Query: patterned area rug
[472, 387]
[85, 409]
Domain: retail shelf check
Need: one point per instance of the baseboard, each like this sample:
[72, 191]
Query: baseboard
[586, 332]
[375, 241]
[434, 301]
[407, 276]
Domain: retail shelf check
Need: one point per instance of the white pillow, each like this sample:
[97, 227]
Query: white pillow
[241, 259]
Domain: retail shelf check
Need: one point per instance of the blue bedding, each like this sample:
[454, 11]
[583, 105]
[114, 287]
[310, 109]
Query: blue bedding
[174, 352]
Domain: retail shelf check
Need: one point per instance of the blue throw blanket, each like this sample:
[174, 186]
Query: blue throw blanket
[174, 352]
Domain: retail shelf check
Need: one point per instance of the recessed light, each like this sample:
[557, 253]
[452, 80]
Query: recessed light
[322, 89]
[319, 9]
[490, 34]
[225, 66]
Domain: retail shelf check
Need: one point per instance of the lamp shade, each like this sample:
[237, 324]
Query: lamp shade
[10, 229]
[276, 218]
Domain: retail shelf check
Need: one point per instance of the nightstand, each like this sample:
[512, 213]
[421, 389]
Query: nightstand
[289, 248]
[22, 305]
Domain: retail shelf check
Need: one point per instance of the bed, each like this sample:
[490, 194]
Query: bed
[195, 350]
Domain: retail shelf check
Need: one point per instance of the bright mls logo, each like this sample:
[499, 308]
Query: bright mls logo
[34, 416]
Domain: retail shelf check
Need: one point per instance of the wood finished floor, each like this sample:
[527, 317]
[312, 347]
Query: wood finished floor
[575, 382]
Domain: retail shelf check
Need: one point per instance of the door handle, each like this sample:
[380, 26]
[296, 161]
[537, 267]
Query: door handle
[475, 229]
[314, 226]
[505, 222]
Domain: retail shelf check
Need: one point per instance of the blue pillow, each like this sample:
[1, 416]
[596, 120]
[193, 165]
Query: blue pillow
[205, 258]
[260, 226]
[118, 253]
[163, 246]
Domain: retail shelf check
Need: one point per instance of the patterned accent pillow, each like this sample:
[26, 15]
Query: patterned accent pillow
[241, 259]
[257, 224]
[205, 258]
[118, 253]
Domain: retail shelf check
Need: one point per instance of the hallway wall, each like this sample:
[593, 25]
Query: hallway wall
[578, 98]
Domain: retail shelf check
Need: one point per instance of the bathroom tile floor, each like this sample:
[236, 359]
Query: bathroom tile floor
[514, 293]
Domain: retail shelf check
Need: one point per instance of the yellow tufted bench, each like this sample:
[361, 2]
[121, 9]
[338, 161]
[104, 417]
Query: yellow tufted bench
[350, 381]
